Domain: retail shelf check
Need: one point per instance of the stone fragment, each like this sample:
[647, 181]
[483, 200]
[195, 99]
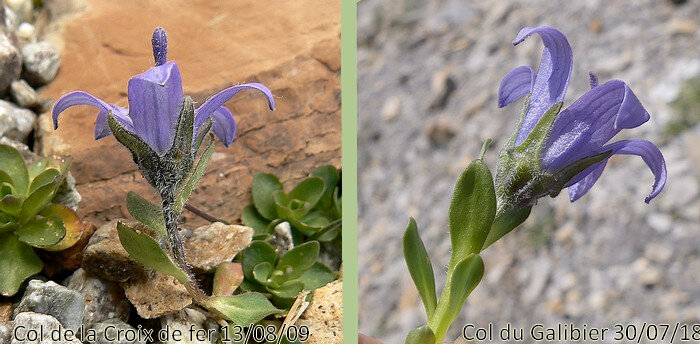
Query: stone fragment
[103, 299]
[442, 87]
[105, 257]
[11, 19]
[65, 305]
[67, 194]
[29, 324]
[15, 123]
[23, 94]
[41, 61]
[6, 331]
[10, 61]
[210, 245]
[108, 330]
[156, 295]
[324, 316]
[26, 33]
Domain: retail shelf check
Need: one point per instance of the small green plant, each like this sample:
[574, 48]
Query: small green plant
[313, 207]
[28, 219]
[283, 278]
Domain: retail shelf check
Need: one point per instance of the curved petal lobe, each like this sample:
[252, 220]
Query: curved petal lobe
[552, 78]
[212, 104]
[224, 125]
[645, 149]
[517, 83]
[83, 98]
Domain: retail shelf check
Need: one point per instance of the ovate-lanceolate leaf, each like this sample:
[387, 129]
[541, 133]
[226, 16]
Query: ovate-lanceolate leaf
[17, 263]
[147, 252]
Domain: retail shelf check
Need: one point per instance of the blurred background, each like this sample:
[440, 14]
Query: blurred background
[428, 80]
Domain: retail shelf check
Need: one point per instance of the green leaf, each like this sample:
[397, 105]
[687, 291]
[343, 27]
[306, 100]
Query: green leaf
[262, 272]
[37, 201]
[243, 309]
[254, 220]
[309, 191]
[419, 267]
[288, 289]
[194, 179]
[330, 177]
[48, 176]
[17, 263]
[465, 276]
[288, 208]
[298, 259]
[42, 232]
[317, 276]
[71, 223]
[421, 335]
[37, 167]
[7, 189]
[147, 252]
[5, 178]
[146, 212]
[506, 222]
[311, 223]
[14, 166]
[11, 205]
[256, 253]
[472, 211]
[264, 184]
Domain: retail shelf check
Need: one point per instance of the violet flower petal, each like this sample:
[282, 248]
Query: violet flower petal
[224, 125]
[648, 151]
[212, 104]
[155, 99]
[517, 83]
[590, 122]
[552, 78]
[83, 98]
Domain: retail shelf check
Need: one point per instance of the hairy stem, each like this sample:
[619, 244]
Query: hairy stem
[177, 248]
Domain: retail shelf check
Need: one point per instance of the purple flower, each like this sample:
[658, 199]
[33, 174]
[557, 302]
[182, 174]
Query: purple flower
[552, 150]
[155, 102]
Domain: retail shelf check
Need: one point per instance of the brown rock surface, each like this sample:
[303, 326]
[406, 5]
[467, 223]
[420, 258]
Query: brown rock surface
[156, 295]
[5, 312]
[324, 316]
[290, 46]
[210, 245]
[105, 257]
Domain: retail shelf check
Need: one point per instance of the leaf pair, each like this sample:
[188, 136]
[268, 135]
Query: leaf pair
[472, 212]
